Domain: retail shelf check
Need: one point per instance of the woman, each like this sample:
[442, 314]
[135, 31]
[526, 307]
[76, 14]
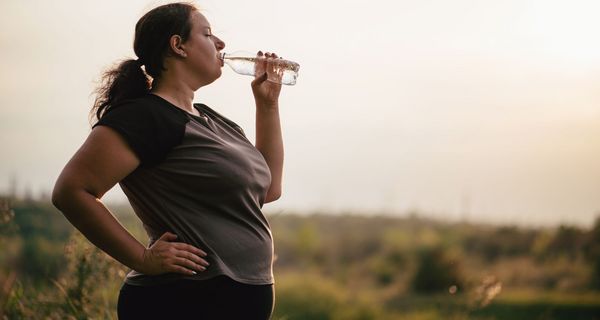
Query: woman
[190, 174]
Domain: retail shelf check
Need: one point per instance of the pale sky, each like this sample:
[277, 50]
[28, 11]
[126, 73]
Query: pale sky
[484, 110]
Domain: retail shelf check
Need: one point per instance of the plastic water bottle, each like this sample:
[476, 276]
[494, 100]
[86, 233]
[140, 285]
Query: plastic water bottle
[282, 71]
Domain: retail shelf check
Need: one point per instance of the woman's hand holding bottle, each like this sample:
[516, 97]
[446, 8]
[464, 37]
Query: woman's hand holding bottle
[265, 92]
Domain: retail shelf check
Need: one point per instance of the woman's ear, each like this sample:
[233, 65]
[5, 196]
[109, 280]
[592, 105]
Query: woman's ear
[176, 44]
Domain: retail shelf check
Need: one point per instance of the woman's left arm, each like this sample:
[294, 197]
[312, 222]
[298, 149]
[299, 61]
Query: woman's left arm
[269, 140]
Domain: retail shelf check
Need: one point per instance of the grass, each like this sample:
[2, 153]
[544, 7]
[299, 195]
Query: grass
[530, 304]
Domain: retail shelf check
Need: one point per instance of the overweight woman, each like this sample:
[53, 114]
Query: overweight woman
[191, 175]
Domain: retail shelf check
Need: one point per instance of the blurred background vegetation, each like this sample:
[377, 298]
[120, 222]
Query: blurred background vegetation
[327, 267]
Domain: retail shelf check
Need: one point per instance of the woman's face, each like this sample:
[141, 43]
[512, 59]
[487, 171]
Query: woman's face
[203, 50]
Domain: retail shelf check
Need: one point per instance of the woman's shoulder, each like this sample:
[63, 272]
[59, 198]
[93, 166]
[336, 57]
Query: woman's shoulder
[146, 106]
[150, 127]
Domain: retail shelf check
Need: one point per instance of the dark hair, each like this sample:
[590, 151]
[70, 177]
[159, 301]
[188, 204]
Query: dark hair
[151, 44]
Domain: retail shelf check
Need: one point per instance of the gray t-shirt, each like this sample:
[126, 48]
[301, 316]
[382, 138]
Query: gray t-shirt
[201, 179]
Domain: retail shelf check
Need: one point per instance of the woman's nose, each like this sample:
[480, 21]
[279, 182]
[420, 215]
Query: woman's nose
[219, 44]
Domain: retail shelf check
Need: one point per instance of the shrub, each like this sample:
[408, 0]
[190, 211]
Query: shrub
[436, 272]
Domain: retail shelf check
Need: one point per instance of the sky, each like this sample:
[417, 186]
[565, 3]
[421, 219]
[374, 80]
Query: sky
[487, 111]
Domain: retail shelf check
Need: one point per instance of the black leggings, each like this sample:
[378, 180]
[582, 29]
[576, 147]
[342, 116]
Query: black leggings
[216, 298]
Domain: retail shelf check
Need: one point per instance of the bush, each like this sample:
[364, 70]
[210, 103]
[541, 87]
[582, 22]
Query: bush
[436, 272]
[77, 293]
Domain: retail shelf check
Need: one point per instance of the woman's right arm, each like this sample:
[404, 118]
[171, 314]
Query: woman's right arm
[103, 160]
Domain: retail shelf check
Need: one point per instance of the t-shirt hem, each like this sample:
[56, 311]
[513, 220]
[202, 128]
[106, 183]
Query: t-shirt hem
[151, 282]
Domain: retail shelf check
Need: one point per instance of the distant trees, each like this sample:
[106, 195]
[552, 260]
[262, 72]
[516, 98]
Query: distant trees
[568, 241]
[499, 242]
[592, 253]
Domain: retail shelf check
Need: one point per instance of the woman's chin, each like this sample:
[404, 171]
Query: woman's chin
[213, 79]
[218, 75]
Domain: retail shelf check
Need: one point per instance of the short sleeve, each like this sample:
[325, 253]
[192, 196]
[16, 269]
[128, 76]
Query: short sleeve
[150, 130]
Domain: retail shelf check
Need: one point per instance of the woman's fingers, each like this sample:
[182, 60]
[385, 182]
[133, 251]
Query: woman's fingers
[178, 256]
[189, 264]
[183, 270]
[192, 257]
[190, 248]
[268, 66]
[191, 253]
[261, 65]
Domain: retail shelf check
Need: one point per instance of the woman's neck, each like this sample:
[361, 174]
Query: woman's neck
[177, 94]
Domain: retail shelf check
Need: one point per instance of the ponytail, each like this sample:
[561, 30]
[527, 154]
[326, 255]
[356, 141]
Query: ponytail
[151, 43]
[126, 81]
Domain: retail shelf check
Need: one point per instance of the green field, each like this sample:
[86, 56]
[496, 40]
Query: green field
[328, 267]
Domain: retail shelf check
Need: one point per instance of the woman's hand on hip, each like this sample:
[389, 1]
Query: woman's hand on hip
[266, 93]
[166, 256]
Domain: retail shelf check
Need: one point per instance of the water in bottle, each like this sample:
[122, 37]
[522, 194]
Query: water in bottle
[281, 71]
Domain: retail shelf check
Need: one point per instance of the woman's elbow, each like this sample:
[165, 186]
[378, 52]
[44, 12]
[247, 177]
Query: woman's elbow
[63, 191]
[58, 194]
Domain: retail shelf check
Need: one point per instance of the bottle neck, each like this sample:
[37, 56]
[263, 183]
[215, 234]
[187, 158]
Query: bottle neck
[237, 54]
